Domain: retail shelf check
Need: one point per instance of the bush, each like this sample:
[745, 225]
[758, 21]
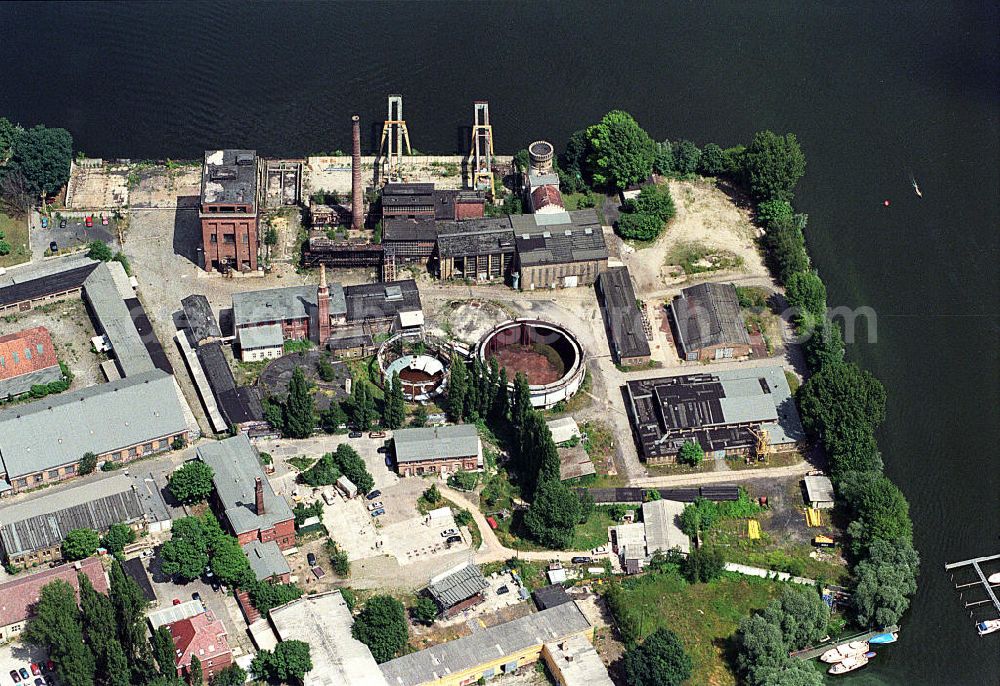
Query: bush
[338, 559]
[655, 200]
[691, 453]
[703, 564]
[640, 227]
[463, 480]
[381, 626]
[88, 463]
[99, 250]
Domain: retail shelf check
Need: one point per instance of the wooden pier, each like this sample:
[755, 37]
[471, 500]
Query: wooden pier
[982, 581]
[812, 652]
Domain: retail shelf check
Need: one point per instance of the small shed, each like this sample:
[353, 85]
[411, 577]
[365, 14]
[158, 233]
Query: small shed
[819, 492]
[347, 487]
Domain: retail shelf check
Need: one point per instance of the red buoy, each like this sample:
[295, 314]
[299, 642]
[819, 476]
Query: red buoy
[886, 203]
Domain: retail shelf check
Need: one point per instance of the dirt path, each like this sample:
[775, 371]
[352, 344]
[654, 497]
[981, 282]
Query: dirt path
[797, 469]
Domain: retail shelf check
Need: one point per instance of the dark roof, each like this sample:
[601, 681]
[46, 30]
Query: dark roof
[134, 569]
[200, 318]
[238, 404]
[348, 342]
[45, 284]
[622, 317]
[398, 229]
[229, 176]
[550, 596]
[472, 237]
[145, 329]
[684, 495]
[580, 240]
[381, 300]
[453, 587]
[708, 315]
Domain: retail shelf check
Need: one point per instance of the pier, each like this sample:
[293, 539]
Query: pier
[812, 652]
[981, 581]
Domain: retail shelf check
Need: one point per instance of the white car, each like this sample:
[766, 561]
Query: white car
[375, 505]
[449, 532]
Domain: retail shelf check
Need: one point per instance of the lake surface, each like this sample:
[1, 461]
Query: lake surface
[875, 92]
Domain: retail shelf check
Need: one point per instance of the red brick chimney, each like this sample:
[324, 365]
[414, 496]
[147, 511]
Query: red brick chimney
[259, 492]
[323, 307]
[357, 201]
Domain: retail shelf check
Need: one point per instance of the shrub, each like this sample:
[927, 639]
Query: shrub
[641, 227]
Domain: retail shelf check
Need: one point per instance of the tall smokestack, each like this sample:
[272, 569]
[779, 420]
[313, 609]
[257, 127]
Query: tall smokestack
[357, 201]
[259, 492]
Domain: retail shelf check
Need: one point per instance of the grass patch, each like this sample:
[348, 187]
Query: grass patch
[15, 233]
[363, 370]
[247, 373]
[793, 382]
[697, 258]
[582, 201]
[593, 532]
[301, 462]
[299, 346]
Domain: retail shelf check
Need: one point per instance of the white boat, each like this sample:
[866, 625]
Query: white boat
[916, 188]
[988, 627]
[849, 664]
[993, 578]
[844, 651]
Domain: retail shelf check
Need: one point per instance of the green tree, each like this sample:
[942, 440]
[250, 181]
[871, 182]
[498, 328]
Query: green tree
[419, 418]
[97, 616]
[323, 473]
[760, 648]
[229, 563]
[801, 614]
[88, 463]
[8, 134]
[195, 675]
[703, 564]
[660, 660]
[687, 157]
[338, 559]
[80, 543]
[773, 165]
[431, 494]
[115, 667]
[638, 226]
[271, 236]
[520, 403]
[381, 625]
[655, 200]
[823, 345]
[163, 652]
[233, 675]
[43, 157]
[362, 406]
[861, 455]
[274, 413]
[183, 559]
[130, 613]
[792, 673]
[621, 152]
[713, 161]
[353, 467]
[886, 579]
[786, 248]
[573, 163]
[840, 403]
[500, 409]
[698, 516]
[395, 404]
[882, 514]
[325, 369]
[299, 417]
[332, 418]
[266, 595]
[553, 514]
[806, 291]
[99, 250]
[118, 536]
[691, 453]
[287, 663]
[56, 626]
[424, 610]
[457, 388]
[191, 482]
[774, 212]
[663, 158]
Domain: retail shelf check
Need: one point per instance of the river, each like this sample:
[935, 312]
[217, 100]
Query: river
[874, 91]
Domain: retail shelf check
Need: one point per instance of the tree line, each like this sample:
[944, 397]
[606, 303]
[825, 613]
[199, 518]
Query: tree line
[34, 163]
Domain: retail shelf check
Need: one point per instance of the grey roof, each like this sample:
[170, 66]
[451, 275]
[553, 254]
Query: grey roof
[237, 466]
[238, 403]
[622, 317]
[229, 176]
[580, 240]
[404, 229]
[200, 318]
[471, 237]
[381, 300]
[58, 430]
[41, 279]
[115, 321]
[662, 531]
[550, 596]
[266, 336]
[708, 315]
[456, 585]
[350, 340]
[819, 489]
[266, 559]
[486, 645]
[578, 663]
[44, 520]
[438, 442]
[276, 304]
[175, 613]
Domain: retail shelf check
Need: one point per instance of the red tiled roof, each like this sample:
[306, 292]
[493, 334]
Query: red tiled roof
[26, 351]
[17, 596]
[200, 635]
[544, 196]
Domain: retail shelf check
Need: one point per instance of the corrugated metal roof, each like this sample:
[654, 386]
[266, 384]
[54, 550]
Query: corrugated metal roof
[457, 585]
[662, 531]
[115, 321]
[708, 315]
[439, 442]
[621, 314]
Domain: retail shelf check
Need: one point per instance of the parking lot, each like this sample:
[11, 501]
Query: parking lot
[75, 234]
[316, 447]
[15, 656]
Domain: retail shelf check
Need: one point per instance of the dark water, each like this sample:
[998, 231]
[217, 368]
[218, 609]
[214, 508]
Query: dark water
[874, 91]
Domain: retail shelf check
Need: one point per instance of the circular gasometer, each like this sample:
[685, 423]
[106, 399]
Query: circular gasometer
[420, 367]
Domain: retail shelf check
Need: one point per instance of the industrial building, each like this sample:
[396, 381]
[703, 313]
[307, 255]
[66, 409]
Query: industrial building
[240, 406]
[293, 308]
[819, 492]
[266, 342]
[438, 450]
[19, 596]
[243, 496]
[491, 651]
[476, 249]
[200, 319]
[36, 283]
[558, 250]
[458, 589]
[424, 201]
[739, 412]
[385, 307]
[108, 296]
[575, 662]
[622, 317]
[43, 441]
[229, 209]
[707, 323]
[32, 531]
[27, 358]
[541, 182]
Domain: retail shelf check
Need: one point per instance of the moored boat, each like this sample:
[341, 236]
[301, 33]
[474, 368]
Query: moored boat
[988, 627]
[882, 639]
[849, 664]
[993, 578]
[844, 651]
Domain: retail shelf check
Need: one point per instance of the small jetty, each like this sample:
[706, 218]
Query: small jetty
[971, 578]
[812, 652]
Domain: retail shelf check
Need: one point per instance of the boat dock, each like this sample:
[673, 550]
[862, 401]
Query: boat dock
[978, 583]
[811, 653]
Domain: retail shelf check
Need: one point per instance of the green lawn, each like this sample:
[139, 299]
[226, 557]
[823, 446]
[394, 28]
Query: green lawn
[704, 616]
[301, 462]
[593, 532]
[15, 232]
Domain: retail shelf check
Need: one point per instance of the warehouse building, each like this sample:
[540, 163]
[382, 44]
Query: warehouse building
[458, 589]
[32, 531]
[622, 318]
[240, 406]
[575, 662]
[707, 323]
[480, 249]
[27, 358]
[560, 250]
[112, 318]
[438, 450]
[202, 325]
[424, 201]
[293, 308]
[19, 596]
[229, 209]
[43, 442]
[243, 496]
[728, 413]
[385, 307]
[34, 284]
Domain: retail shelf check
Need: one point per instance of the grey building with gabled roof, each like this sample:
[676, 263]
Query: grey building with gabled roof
[113, 319]
[622, 317]
[560, 250]
[708, 324]
[438, 449]
[458, 589]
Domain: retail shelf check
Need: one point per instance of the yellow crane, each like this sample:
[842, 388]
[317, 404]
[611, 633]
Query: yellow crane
[763, 447]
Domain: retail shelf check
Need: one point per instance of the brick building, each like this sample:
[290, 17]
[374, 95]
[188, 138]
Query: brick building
[27, 358]
[438, 450]
[18, 597]
[243, 496]
[204, 637]
[229, 210]
[479, 249]
[559, 250]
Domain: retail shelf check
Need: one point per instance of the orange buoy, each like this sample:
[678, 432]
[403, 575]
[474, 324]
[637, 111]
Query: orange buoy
[886, 203]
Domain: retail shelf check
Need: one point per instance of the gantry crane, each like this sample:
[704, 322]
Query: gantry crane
[481, 155]
[394, 135]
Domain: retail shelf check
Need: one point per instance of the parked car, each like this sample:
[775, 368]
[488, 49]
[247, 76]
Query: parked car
[449, 532]
[599, 550]
[374, 494]
[35, 669]
[177, 601]
[50, 666]
[355, 434]
[378, 513]
[454, 539]
[45, 222]
[62, 224]
[580, 560]
[15, 677]
[89, 221]
[53, 246]
[147, 553]
[376, 434]
[39, 681]
[502, 590]
[24, 674]
[311, 559]
[375, 505]
[104, 220]
[196, 596]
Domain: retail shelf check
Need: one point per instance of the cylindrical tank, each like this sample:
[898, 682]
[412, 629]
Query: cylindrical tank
[540, 153]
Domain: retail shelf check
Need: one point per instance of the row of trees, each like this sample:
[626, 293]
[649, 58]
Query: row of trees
[477, 391]
[34, 163]
[343, 461]
[82, 543]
